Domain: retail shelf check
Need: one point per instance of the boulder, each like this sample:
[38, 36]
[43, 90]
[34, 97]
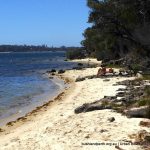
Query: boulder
[139, 75]
[145, 123]
[61, 71]
[91, 107]
[106, 80]
[80, 64]
[52, 71]
[143, 135]
[121, 89]
[103, 130]
[1, 130]
[79, 79]
[111, 119]
[137, 112]
[120, 94]
[109, 98]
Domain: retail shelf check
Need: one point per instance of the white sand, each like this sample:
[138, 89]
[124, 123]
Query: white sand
[56, 127]
[88, 61]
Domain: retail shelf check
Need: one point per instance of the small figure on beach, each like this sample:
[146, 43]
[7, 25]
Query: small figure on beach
[102, 71]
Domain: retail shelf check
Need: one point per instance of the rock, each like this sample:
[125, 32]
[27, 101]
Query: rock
[94, 107]
[48, 72]
[91, 107]
[91, 77]
[51, 77]
[1, 130]
[79, 131]
[111, 119]
[103, 130]
[143, 135]
[108, 98]
[86, 107]
[145, 123]
[80, 64]
[119, 148]
[121, 89]
[79, 79]
[139, 75]
[119, 103]
[126, 74]
[53, 74]
[52, 71]
[121, 99]
[61, 71]
[137, 112]
[106, 80]
[87, 136]
[147, 137]
[120, 94]
[80, 109]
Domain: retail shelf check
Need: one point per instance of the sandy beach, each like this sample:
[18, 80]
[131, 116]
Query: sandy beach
[55, 126]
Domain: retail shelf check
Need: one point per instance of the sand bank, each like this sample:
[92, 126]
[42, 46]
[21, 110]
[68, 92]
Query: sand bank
[55, 126]
[89, 61]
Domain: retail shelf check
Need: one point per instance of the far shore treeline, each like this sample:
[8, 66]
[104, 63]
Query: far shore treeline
[31, 48]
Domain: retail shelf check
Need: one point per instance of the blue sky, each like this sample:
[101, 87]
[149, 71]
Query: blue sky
[51, 22]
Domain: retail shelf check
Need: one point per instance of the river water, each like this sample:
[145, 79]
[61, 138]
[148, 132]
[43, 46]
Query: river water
[23, 84]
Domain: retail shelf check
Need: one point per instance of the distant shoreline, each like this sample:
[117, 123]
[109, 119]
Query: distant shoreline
[32, 48]
[32, 51]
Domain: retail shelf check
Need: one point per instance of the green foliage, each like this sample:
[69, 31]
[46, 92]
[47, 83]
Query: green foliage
[136, 67]
[75, 54]
[147, 90]
[113, 66]
[113, 26]
[143, 102]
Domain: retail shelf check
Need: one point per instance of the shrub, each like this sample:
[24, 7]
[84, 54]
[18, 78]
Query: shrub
[146, 77]
[75, 54]
[136, 68]
[142, 102]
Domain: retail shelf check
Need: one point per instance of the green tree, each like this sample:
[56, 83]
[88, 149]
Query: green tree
[117, 27]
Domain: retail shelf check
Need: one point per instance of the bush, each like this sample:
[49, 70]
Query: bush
[136, 68]
[146, 77]
[75, 54]
[143, 102]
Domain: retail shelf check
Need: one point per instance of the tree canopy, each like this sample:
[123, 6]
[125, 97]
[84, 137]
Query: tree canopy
[118, 27]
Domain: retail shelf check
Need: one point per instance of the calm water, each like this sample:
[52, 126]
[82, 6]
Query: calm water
[23, 86]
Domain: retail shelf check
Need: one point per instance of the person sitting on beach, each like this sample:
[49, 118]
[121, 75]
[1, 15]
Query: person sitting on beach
[101, 71]
[111, 70]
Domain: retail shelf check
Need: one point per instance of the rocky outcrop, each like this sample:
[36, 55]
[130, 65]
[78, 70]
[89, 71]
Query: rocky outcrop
[137, 112]
[61, 71]
[91, 107]
[80, 79]
[51, 71]
[126, 100]
[145, 123]
[111, 119]
[83, 78]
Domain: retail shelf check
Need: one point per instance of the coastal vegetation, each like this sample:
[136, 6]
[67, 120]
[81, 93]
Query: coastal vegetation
[77, 53]
[119, 29]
